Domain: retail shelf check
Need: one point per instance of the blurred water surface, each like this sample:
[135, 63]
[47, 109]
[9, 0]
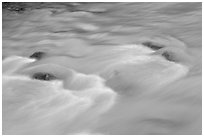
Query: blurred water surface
[106, 81]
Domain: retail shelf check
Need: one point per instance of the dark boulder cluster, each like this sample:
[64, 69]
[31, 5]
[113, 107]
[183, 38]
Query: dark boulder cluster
[18, 7]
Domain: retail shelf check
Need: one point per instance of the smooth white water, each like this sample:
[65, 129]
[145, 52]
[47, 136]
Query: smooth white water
[106, 82]
[33, 102]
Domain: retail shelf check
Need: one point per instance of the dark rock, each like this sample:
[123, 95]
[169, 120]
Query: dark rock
[43, 76]
[17, 7]
[5, 5]
[37, 55]
[152, 45]
[168, 56]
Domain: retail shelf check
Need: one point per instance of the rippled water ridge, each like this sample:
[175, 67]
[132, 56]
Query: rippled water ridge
[101, 68]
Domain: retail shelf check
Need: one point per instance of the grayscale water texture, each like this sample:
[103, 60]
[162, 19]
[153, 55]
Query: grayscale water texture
[101, 68]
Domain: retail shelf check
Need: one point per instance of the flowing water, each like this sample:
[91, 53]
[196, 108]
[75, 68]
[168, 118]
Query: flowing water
[96, 73]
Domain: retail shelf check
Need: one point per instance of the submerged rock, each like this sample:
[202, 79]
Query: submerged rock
[38, 55]
[43, 76]
[168, 56]
[152, 45]
[177, 55]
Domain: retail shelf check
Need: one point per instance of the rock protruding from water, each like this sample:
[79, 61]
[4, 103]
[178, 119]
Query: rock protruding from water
[169, 56]
[152, 45]
[38, 55]
[43, 76]
[177, 55]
